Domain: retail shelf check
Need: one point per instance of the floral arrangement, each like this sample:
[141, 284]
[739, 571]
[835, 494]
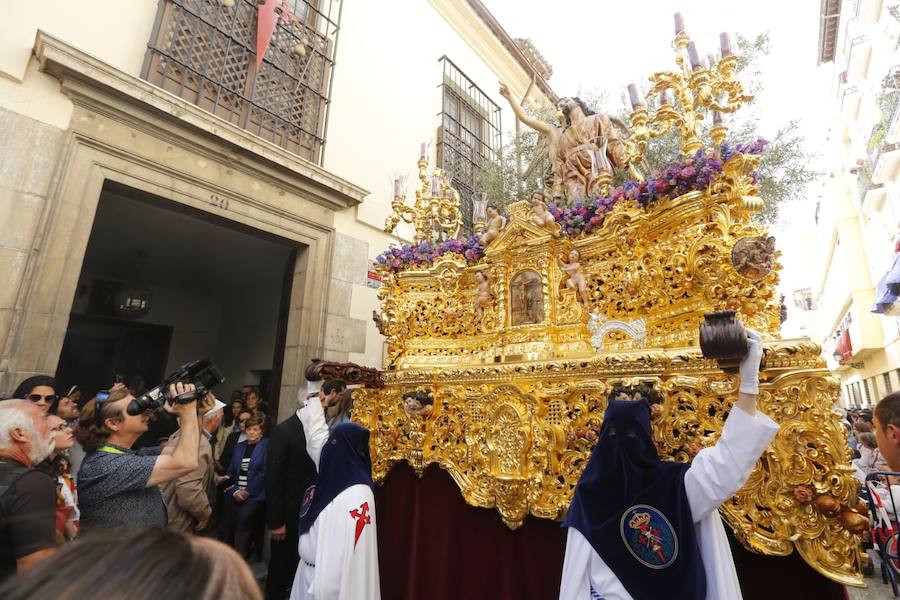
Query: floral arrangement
[397, 258]
[693, 174]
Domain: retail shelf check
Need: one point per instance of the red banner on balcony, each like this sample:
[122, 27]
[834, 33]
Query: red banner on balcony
[844, 348]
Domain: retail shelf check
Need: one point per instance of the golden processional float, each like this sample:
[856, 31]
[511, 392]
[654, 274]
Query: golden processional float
[501, 348]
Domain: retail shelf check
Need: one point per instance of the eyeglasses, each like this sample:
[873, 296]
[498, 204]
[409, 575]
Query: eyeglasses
[51, 398]
[98, 404]
[62, 427]
[243, 420]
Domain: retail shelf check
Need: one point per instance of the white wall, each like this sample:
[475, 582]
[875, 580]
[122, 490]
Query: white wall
[115, 31]
[386, 95]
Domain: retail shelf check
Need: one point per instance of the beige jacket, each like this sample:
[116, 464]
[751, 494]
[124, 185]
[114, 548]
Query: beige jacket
[186, 497]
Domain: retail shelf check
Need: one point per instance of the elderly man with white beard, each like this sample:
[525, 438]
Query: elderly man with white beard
[27, 496]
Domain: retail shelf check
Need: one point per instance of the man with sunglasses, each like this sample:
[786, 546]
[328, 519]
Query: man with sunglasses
[117, 486]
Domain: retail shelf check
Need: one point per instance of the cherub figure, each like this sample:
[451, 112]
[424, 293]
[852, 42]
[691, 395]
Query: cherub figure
[576, 280]
[540, 216]
[483, 294]
[496, 222]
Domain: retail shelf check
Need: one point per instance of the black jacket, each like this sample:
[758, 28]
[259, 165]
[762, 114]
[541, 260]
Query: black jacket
[289, 471]
[227, 451]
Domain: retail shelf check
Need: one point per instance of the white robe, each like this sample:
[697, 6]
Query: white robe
[715, 474]
[334, 564]
[343, 569]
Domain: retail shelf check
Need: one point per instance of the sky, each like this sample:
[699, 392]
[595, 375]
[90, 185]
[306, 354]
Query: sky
[594, 45]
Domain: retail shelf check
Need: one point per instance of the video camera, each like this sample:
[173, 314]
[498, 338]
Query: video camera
[202, 373]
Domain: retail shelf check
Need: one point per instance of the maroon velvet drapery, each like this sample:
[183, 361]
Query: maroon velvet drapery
[434, 546]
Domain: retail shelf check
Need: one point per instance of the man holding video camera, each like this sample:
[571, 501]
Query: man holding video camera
[117, 486]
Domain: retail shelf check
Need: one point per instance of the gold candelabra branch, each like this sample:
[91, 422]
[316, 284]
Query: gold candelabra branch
[685, 95]
[435, 212]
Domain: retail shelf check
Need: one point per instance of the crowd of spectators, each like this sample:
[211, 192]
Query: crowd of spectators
[88, 472]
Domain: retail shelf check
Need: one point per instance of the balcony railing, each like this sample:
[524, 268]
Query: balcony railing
[886, 129]
[206, 53]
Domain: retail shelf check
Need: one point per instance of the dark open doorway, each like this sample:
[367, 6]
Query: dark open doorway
[98, 349]
[163, 284]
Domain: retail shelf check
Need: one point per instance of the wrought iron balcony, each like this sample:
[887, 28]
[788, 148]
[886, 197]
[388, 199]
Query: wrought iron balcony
[264, 66]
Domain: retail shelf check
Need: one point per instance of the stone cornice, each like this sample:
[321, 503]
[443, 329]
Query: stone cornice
[91, 83]
[478, 28]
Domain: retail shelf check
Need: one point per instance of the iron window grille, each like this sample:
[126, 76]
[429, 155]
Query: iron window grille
[888, 388]
[205, 53]
[469, 135]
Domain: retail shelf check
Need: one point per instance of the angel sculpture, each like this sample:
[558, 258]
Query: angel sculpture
[496, 222]
[575, 280]
[483, 296]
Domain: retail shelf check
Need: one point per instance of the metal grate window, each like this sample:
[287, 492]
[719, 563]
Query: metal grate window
[888, 387]
[205, 53]
[469, 135]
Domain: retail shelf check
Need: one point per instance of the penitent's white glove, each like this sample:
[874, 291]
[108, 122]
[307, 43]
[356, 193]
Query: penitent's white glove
[750, 364]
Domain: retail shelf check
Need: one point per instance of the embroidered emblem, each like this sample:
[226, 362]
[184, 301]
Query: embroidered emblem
[308, 496]
[362, 519]
[649, 536]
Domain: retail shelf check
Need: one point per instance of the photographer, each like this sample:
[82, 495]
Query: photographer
[118, 487]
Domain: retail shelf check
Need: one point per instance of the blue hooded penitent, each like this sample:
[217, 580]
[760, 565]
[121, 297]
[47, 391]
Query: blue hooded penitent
[632, 509]
[344, 462]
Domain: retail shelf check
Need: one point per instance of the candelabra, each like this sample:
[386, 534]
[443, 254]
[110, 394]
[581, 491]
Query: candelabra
[685, 94]
[479, 212]
[435, 213]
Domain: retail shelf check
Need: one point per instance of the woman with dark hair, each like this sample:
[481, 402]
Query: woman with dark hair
[245, 497]
[40, 389]
[67, 408]
[57, 467]
[255, 403]
[145, 564]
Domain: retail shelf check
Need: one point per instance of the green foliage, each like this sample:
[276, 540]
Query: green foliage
[500, 179]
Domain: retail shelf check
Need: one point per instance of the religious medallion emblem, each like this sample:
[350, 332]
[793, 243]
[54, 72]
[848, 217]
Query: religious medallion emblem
[308, 496]
[649, 536]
